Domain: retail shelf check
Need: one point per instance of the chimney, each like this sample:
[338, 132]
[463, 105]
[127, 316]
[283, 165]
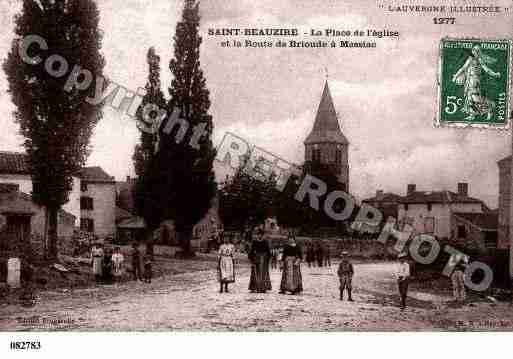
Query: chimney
[379, 194]
[411, 188]
[463, 189]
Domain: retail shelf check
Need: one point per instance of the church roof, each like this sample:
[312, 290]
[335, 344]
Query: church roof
[326, 127]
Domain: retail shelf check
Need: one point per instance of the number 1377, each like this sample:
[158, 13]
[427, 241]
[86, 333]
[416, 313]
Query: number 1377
[444, 20]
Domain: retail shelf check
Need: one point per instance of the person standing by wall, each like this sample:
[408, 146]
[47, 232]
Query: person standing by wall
[310, 255]
[345, 276]
[136, 261]
[148, 268]
[327, 256]
[319, 255]
[458, 284]
[97, 260]
[403, 278]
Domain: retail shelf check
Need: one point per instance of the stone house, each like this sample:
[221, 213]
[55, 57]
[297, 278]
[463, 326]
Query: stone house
[14, 169]
[92, 200]
[386, 202]
[14, 201]
[430, 212]
[504, 202]
[476, 231]
[97, 202]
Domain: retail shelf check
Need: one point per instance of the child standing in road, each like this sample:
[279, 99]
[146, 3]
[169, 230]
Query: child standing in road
[345, 276]
[117, 264]
[148, 272]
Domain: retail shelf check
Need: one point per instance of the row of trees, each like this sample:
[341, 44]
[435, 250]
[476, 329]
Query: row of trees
[176, 180]
[175, 171]
[56, 124]
[245, 201]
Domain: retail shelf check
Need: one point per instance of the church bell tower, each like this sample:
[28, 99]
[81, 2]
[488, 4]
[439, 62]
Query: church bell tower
[326, 143]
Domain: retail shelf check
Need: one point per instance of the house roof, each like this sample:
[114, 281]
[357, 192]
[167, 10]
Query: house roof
[485, 221]
[13, 163]
[385, 197]
[326, 127]
[14, 202]
[16, 163]
[438, 197]
[133, 222]
[122, 214]
[95, 174]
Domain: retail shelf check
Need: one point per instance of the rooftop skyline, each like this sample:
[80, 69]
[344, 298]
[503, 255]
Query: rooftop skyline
[385, 97]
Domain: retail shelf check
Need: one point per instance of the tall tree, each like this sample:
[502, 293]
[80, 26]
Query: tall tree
[57, 124]
[147, 116]
[183, 181]
[246, 200]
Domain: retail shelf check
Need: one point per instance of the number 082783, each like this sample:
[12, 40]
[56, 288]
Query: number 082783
[28, 345]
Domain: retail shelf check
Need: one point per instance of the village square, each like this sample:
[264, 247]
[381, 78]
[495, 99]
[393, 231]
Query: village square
[215, 231]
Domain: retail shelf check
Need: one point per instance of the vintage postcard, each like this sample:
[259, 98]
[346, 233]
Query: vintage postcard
[254, 165]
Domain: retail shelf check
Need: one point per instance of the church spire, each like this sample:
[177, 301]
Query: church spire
[326, 127]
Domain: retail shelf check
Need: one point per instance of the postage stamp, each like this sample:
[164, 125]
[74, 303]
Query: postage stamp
[474, 83]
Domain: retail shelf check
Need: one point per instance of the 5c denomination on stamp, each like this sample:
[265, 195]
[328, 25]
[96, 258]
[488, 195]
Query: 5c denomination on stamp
[474, 83]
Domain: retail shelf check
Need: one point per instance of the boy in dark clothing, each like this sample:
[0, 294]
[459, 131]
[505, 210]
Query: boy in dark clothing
[136, 262]
[319, 255]
[345, 275]
[148, 272]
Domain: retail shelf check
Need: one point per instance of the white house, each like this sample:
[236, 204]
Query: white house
[92, 199]
[14, 169]
[431, 211]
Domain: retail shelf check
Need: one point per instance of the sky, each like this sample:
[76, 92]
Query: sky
[385, 97]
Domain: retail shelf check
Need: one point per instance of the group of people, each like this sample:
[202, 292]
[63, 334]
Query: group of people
[318, 254]
[109, 265]
[262, 257]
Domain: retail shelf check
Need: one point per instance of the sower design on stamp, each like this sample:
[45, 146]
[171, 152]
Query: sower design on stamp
[474, 83]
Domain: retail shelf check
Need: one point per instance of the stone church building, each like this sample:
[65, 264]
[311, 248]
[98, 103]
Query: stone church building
[326, 143]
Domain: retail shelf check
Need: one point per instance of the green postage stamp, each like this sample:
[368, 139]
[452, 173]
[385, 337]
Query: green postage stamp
[474, 83]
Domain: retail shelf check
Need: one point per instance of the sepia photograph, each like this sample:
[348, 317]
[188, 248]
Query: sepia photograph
[255, 166]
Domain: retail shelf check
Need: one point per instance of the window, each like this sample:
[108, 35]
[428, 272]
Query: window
[338, 156]
[83, 186]
[406, 207]
[86, 203]
[429, 225]
[87, 225]
[462, 231]
[430, 207]
[490, 239]
[316, 155]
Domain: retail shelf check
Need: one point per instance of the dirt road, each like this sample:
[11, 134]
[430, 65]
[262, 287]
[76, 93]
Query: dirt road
[191, 302]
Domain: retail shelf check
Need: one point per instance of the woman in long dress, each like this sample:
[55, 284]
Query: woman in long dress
[469, 75]
[291, 280]
[225, 265]
[97, 261]
[259, 255]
